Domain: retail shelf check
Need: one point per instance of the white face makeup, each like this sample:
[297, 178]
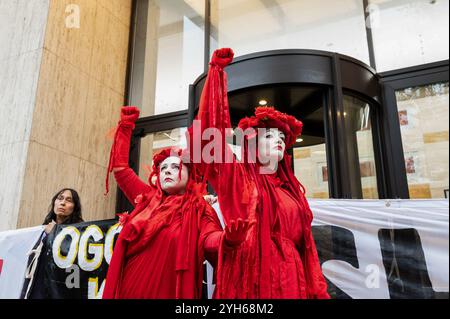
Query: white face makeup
[169, 176]
[271, 146]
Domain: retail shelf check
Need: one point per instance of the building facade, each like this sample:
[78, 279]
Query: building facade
[369, 79]
[63, 66]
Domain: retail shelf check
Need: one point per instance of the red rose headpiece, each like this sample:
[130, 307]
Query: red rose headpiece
[161, 155]
[267, 116]
[183, 154]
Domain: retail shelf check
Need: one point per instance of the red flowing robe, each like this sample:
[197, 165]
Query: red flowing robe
[160, 250]
[278, 259]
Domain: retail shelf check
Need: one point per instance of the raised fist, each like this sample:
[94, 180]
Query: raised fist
[129, 114]
[222, 57]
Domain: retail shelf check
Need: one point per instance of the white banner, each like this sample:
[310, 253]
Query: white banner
[376, 249]
[14, 248]
[380, 249]
[398, 246]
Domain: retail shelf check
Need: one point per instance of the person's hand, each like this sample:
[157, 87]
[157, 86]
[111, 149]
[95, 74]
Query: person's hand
[236, 231]
[211, 199]
[129, 114]
[224, 53]
[222, 57]
[48, 228]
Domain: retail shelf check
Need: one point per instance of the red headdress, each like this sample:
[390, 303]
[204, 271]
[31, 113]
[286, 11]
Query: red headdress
[144, 223]
[183, 154]
[267, 116]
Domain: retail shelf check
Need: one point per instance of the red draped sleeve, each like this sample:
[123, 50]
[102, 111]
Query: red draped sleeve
[230, 180]
[210, 235]
[131, 184]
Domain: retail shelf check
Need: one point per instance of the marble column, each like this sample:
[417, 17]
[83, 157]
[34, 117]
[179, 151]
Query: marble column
[22, 31]
[60, 96]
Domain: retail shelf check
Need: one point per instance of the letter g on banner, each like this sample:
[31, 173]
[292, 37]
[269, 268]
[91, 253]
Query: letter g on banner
[68, 260]
[95, 249]
[109, 241]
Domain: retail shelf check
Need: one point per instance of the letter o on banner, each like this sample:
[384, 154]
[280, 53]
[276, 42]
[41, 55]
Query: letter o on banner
[94, 249]
[109, 241]
[66, 261]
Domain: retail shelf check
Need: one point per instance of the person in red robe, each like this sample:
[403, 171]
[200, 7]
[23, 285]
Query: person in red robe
[160, 250]
[278, 257]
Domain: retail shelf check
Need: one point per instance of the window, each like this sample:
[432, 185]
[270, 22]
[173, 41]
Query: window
[309, 153]
[311, 169]
[423, 115]
[250, 26]
[168, 54]
[363, 177]
[409, 32]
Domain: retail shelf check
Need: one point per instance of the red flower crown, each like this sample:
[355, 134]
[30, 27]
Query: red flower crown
[183, 154]
[267, 116]
[160, 156]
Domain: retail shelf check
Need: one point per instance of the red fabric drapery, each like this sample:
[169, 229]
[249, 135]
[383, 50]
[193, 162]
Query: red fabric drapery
[149, 226]
[248, 271]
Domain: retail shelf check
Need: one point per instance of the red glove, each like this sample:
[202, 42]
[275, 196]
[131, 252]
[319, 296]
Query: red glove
[120, 149]
[236, 232]
[129, 115]
[222, 57]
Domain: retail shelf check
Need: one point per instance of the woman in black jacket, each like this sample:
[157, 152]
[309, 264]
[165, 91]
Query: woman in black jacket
[65, 208]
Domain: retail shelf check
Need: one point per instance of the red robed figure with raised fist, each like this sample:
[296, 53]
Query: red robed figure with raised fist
[278, 257]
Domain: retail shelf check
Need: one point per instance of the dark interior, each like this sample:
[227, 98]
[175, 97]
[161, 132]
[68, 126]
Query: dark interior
[305, 102]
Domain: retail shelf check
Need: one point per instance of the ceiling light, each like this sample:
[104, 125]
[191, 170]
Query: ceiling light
[262, 102]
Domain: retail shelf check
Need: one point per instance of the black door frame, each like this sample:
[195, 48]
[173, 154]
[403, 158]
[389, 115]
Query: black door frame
[391, 134]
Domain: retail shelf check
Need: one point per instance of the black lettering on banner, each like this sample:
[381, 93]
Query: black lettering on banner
[75, 259]
[335, 243]
[92, 244]
[406, 268]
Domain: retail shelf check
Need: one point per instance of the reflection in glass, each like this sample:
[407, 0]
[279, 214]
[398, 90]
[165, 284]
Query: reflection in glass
[361, 157]
[310, 167]
[309, 154]
[423, 116]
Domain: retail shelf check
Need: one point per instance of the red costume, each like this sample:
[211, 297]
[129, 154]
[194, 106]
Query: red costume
[160, 250]
[278, 259]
